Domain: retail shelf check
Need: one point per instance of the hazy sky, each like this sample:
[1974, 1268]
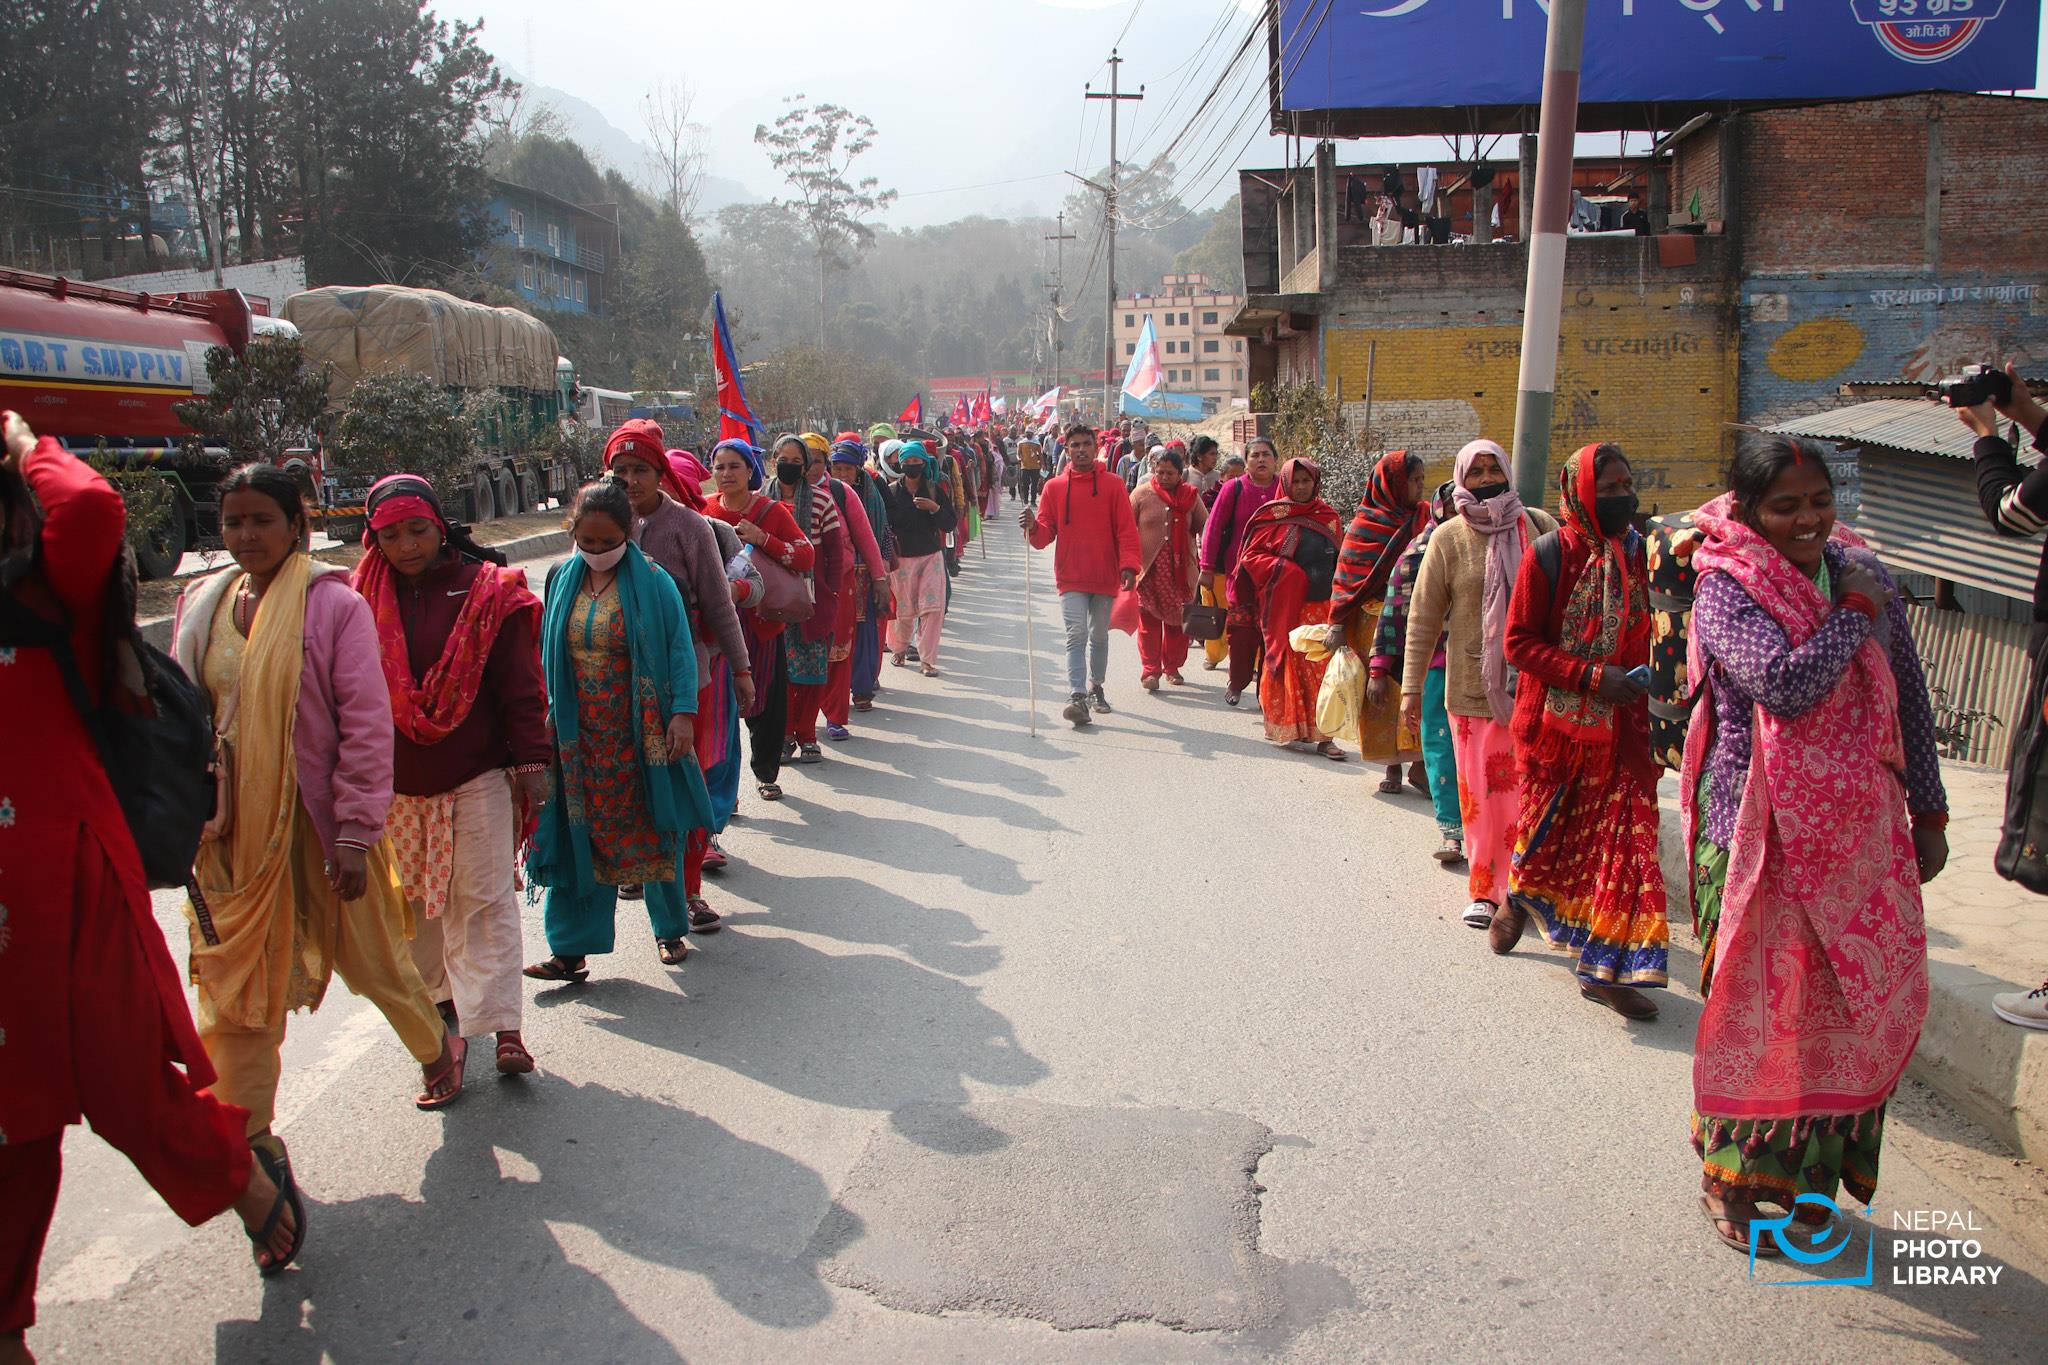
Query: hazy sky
[963, 92]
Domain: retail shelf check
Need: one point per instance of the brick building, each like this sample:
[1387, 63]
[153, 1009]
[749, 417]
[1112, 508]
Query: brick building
[1189, 316]
[1852, 242]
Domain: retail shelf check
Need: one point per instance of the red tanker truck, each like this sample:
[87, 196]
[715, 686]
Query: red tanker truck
[94, 366]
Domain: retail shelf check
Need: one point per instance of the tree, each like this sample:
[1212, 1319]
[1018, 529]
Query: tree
[262, 402]
[814, 150]
[1220, 253]
[400, 423]
[679, 148]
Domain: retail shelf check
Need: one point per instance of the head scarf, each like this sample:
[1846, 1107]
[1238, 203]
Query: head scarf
[813, 441]
[684, 478]
[914, 450]
[849, 451]
[637, 436]
[428, 710]
[1499, 519]
[887, 456]
[1606, 617]
[1380, 530]
[882, 430]
[758, 474]
[1268, 585]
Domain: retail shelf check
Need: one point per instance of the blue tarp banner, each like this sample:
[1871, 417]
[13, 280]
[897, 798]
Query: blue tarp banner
[1163, 407]
[1406, 54]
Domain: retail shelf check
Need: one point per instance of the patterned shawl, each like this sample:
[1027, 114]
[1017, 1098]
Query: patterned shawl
[1500, 520]
[1820, 977]
[1380, 530]
[1606, 616]
[428, 710]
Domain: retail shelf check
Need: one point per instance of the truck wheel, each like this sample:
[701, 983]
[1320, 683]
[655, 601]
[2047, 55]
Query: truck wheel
[509, 504]
[161, 546]
[482, 506]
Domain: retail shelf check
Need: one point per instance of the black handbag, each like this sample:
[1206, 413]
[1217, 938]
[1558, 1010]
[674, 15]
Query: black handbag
[2023, 846]
[1200, 621]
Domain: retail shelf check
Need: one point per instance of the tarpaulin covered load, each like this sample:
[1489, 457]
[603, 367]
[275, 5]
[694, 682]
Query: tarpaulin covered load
[381, 328]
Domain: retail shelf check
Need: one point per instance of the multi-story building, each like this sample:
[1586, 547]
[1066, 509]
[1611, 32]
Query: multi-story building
[1189, 316]
[556, 255]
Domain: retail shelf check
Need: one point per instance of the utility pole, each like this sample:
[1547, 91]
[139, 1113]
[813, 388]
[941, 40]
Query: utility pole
[1059, 277]
[1549, 209]
[1115, 98]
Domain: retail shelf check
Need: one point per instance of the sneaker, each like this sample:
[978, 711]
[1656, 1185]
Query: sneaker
[1099, 702]
[1479, 915]
[838, 732]
[1451, 852]
[2028, 1009]
[1077, 710]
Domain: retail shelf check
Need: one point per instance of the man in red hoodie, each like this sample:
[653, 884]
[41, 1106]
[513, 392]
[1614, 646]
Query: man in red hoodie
[1087, 510]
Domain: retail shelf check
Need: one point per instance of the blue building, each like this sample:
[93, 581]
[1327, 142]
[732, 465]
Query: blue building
[557, 255]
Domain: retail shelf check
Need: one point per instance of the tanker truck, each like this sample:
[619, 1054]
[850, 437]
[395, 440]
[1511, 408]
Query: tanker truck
[99, 369]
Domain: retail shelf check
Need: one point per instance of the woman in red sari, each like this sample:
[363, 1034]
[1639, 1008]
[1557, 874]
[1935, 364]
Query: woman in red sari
[1586, 853]
[1169, 514]
[1286, 567]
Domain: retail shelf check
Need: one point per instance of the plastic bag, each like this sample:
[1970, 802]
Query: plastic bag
[1343, 694]
[1310, 640]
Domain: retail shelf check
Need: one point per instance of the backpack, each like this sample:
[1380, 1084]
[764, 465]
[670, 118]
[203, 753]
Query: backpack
[153, 729]
[1673, 538]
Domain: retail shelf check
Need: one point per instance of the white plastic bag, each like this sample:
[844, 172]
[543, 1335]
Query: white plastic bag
[1343, 694]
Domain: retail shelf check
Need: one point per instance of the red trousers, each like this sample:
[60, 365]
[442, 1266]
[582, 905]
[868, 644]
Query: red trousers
[188, 1145]
[1247, 646]
[693, 861]
[804, 700]
[1162, 644]
[838, 703]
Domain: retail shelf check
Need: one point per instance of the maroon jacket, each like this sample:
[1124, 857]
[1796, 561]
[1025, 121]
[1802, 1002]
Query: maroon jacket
[507, 726]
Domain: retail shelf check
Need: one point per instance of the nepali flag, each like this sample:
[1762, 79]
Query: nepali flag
[981, 410]
[960, 417]
[913, 413]
[736, 420]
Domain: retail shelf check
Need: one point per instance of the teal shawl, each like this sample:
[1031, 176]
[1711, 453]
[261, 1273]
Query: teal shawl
[664, 663]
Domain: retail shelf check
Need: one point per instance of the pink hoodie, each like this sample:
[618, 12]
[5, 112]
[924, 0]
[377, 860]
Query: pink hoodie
[342, 733]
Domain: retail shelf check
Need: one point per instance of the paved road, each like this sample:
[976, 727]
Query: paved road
[1150, 1043]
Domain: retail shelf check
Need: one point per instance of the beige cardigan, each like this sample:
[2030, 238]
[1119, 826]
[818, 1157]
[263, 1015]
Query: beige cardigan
[1150, 512]
[1448, 593]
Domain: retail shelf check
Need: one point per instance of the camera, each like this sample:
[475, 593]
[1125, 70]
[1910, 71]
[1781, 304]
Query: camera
[1976, 384]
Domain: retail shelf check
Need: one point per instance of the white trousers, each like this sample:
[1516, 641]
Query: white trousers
[472, 953]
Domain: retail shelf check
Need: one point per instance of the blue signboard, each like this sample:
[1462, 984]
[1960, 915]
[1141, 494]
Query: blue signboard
[1164, 407]
[1410, 54]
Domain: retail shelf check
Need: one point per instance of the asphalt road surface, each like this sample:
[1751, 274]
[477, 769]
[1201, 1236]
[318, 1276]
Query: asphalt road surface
[1149, 1043]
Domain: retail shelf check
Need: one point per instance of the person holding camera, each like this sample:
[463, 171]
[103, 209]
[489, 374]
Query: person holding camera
[2015, 501]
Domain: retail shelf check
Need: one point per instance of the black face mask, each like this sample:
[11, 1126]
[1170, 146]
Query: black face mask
[1614, 512]
[789, 471]
[1486, 492]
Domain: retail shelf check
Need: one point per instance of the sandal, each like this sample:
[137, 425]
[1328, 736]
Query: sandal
[672, 951]
[1328, 749]
[930, 672]
[1626, 1001]
[1391, 783]
[1734, 1232]
[809, 753]
[899, 660]
[769, 791]
[445, 1086]
[1176, 679]
[269, 1153]
[863, 704]
[513, 1058]
[557, 968]
[1418, 778]
[703, 919]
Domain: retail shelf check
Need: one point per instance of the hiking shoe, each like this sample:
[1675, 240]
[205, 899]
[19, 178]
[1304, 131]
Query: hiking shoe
[1099, 702]
[836, 732]
[1479, 914]
[1077, 710]
[2028, 1009]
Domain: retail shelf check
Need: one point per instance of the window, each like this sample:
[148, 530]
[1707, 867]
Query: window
[1130, 348]
[1237, 346]
[526, 277]
[1183, 319]
[1208, 319]
[1130, 319]
[1211, 347]
[1240, 372]
[580, 286]
[518, 222]
[1211, 376]
[555, 238]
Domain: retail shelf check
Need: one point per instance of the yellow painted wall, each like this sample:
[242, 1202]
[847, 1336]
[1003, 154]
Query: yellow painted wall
[1653, 371]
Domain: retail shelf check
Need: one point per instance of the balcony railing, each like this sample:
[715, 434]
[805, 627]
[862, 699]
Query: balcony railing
[590, 260]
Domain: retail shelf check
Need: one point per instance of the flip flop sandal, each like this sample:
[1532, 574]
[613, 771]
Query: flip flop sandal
[1731, 1238]
[703, 919]
[672, 951]
[930, 672]
[1390, 785]
[446, 1088]
[557, 969]
[513, 1058]
[269, 1153]
[769, 791]
[1328, 749]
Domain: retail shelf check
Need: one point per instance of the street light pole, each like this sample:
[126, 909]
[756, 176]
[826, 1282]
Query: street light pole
[1550, 210]
[1109, 224]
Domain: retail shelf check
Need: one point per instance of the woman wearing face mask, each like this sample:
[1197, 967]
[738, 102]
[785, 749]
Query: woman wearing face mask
[768, 530]
[456, 634]
[1586, 856]
[1240, 501]
[1169, 514]
[1813, 811]
[622, 698]
[801, 488]
[1391, 513]
[302, 885]
[1286, 567]
[1461, 593]
[1389, 645]
[920, 515]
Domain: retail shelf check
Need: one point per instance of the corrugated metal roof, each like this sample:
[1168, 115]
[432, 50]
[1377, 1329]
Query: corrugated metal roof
[1917, 424]
[1920, 512]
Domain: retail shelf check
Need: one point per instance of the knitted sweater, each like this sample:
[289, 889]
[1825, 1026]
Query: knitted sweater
[1448, 601]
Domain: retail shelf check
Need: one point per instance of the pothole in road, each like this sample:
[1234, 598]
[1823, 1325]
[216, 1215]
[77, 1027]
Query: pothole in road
[1079, 1217]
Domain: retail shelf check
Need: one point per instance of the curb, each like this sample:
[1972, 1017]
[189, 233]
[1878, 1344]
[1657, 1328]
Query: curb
[1994, 1072]
[157, 630]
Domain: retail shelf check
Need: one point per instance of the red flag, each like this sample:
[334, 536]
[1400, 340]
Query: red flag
[981, 413]
[735, 419]
[960, 417]
[913, 412]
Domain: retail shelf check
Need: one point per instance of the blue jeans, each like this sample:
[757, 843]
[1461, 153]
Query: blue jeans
[1087, 618]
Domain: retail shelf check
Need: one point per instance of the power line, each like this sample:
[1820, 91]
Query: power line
[1129, 19]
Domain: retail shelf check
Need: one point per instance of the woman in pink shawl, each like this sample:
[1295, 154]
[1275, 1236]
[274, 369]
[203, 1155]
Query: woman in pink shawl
[1813, 811]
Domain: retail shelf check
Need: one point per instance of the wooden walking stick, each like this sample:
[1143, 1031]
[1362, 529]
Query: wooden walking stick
[1030, 654]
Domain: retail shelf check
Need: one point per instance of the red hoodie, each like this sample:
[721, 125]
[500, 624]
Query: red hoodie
[1090, 516]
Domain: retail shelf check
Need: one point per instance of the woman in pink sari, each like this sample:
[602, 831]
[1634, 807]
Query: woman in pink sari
[1813, 811]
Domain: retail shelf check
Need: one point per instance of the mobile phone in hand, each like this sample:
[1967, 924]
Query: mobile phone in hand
[1640, 675]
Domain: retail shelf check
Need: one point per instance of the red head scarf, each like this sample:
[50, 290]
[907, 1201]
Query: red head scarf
[1607, 613]
[682, 478]
[1381, 529]
[639, 437]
